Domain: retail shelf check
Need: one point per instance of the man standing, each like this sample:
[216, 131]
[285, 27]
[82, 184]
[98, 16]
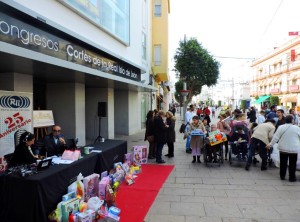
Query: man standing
[272, 113]
[252, 115]
[293, 113]
[188, 117]
[280, 118]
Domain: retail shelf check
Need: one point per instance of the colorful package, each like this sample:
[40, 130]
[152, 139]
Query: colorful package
[91, 186]
[140, 154]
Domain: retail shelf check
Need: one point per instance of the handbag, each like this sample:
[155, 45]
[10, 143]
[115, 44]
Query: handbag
[182, 128]
[150, 139]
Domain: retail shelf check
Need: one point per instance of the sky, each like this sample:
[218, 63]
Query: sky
[241, 29]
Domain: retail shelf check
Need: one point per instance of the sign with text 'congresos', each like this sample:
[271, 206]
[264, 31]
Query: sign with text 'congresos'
[17, 32]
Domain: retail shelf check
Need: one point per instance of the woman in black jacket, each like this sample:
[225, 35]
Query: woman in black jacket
[149, 134]
[171, 135]
[23, 153]
[160, 135]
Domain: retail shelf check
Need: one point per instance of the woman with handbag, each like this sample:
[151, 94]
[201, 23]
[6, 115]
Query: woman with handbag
[288, 138]
[149, 134]
[171, 135]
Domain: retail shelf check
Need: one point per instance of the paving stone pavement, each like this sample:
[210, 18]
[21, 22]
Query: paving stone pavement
[195, 192]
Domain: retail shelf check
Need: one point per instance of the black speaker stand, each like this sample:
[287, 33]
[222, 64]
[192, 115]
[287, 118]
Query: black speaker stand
[99, 137]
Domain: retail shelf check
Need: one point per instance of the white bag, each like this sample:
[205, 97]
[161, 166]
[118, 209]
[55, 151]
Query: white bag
[94, 203]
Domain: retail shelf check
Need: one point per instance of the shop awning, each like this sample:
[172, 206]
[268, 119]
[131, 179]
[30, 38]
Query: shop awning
[289, 99]
[261, 99]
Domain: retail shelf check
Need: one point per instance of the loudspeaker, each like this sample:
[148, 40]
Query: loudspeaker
[102, 109]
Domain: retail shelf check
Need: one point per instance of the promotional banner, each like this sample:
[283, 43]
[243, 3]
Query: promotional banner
[15, 113]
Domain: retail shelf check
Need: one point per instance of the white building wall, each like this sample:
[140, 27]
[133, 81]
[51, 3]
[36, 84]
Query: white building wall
[54, 11]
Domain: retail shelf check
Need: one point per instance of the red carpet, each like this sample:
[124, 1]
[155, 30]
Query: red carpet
[135, 200]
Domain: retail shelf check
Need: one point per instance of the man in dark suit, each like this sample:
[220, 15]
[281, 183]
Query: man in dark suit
[54, 143]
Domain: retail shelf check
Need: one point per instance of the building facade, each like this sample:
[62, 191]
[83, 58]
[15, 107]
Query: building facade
[86, 60]
[160, 52]
[277, 73]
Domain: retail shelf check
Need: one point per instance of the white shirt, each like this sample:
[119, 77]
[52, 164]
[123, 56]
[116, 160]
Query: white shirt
[260, 119]
[188, 116]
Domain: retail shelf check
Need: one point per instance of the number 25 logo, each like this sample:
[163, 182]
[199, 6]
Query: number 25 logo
[12, 121]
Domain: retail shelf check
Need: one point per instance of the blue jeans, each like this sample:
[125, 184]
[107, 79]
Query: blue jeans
[256, 144]
[188, 142]
[159, 148]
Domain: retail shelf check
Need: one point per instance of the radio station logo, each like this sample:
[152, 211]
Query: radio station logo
[14, 102]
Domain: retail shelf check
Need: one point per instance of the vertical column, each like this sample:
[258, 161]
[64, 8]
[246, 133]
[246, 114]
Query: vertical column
[67, 101]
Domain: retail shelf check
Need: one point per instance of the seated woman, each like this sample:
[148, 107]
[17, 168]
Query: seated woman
[23, 153]
[240, 140]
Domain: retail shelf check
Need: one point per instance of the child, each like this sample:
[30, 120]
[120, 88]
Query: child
[212, 150]
[206, 125]
[240, 140]
[197, 142]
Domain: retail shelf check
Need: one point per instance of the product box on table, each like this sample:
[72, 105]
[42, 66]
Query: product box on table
[102, 187]
[128, 158]
[86, 216]
[91, 186]
[140, 154]
[67, 207]
[69, 196]
[216, 137]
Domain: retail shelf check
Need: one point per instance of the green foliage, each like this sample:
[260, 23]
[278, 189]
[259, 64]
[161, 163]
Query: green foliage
[219, 103]
[178, 87]
[274, 100]
[196, 66]
[243, 104]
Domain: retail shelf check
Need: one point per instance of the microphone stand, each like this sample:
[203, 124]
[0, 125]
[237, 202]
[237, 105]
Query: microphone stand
[98, 139]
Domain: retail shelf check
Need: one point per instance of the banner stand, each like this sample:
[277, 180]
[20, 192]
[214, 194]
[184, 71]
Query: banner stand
[40, 132]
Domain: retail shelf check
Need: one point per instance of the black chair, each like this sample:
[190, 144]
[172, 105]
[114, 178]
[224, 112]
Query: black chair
[71, 143]
[9, 159]
[17, 136]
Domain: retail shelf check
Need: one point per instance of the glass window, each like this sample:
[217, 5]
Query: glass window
[157, 8]
[157, 55]
[144, 46]
[111, 16]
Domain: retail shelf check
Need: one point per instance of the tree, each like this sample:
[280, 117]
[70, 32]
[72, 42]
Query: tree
[274, 100]
[195, 66]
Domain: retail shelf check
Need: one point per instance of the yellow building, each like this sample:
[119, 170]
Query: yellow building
[159, 51]
[278, 74]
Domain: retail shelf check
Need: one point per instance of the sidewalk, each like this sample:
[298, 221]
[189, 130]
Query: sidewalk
[194, 192]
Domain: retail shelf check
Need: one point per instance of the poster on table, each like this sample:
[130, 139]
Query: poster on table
[15, 113]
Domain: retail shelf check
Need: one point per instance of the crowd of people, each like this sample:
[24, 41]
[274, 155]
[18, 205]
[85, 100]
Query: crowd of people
[160, 130]
[259, 133]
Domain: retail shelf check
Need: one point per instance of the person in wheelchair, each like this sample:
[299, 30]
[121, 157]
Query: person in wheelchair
[239, 143]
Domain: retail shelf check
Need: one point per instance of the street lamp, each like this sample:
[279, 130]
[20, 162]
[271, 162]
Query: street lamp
[184, 94]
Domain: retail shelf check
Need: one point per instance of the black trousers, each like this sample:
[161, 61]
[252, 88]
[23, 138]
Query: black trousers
[284, 158]
[171, 149]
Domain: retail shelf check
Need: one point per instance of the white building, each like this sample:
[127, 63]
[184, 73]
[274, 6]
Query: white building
[84, 60]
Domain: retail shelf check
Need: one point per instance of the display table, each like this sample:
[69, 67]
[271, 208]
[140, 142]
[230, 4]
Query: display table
[32, 198]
